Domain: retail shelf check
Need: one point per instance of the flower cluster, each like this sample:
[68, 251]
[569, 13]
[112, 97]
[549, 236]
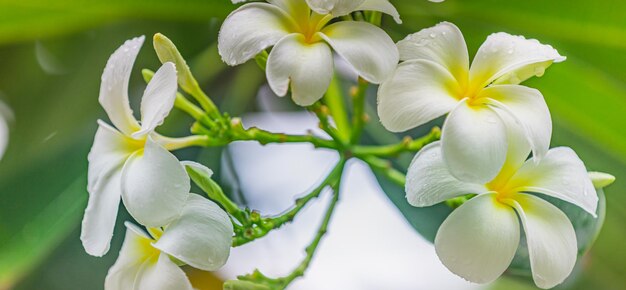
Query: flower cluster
[492, 126]
[133, 163]
[494, 148]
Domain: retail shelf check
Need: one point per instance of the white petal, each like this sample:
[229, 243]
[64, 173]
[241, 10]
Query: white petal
[443, 44]
[479, 239]
[114, 87]
[201, 237]
[106, 158]
[158, 99]
[198, 167]
[512, 58]
[528, 108]
[517, 152]
[474, 142]
[383, 6]
[136, 249]
[366, 47]
[162, 275]
[155, 186]
[308, 67]
[250, 29]
[428, 180]
[418, 92]
[560, 174]
[334, 7]
[551, 240]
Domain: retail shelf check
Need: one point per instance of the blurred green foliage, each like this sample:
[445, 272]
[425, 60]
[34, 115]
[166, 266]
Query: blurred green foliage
[52, 54]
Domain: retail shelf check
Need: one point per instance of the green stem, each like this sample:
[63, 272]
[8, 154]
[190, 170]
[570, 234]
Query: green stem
[266, 225]
[205, 102]
[312, 248]
[385, 167]
[334, 99]
[266, 137]
[407, 145]
[358, 117]
[322, 112]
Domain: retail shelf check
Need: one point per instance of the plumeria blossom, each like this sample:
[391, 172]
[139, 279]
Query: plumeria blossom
[303, 41]
[436, 78]
[131, 161]
[479, 239]
[200, 237]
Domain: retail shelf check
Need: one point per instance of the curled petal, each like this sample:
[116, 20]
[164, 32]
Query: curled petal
[114, 87]
[528, 108]
[158, 99]
[366, 47]
[308, 67]
[201, 237]
[551, 240]
[479, 239]
[334, 7]
[474, 143]
[511, 59]
[155, 186]
[443, 44]
[106, 158]
[429, 182]
[418, 92]
[162, 274]
[560, 174]
[383, 6]
[250, 29]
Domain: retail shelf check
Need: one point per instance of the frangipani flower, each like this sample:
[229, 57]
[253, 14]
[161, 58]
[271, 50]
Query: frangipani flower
[435, 78]
[302, 41]
[201, 238]
[479, 239]
[133, 163]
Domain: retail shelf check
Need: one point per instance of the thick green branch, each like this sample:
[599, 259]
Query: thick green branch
[386, 168]
[407, 145]
[260, 281]
[262, 226]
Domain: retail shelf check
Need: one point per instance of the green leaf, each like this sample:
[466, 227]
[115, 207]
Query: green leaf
[35, 19]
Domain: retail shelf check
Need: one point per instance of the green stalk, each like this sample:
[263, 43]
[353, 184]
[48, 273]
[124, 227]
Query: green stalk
[358, 116]
[392, 150]
[335, 101]
[384, 167]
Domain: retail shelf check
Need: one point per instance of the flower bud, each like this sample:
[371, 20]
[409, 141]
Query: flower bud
[167, 52]
[601, 179]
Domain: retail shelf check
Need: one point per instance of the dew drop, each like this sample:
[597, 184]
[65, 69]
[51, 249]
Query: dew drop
[432, 35]
[539, 71]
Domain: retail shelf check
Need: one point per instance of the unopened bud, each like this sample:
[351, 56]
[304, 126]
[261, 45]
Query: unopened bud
[601, 179]
[167, 52]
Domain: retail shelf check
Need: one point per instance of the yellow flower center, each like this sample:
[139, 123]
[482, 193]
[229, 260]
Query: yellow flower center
[309, 26]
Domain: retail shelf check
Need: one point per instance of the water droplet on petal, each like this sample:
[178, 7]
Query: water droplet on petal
[539, 71]
[432, 35]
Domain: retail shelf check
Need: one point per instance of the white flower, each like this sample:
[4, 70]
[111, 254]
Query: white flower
[132, 163]
[201, 238]
[435, 78]
[302, 43]
[479, 239]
